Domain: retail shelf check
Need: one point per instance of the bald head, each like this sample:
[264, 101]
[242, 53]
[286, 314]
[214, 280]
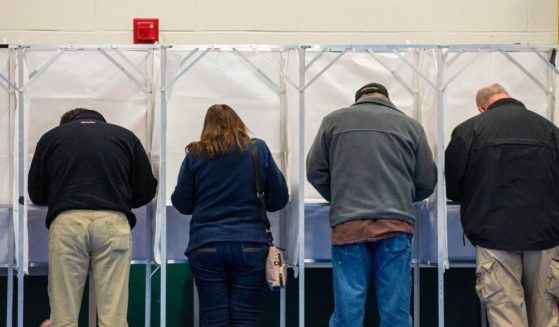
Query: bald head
[487, 95]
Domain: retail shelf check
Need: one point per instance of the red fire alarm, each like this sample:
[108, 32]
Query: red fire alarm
[146, 30]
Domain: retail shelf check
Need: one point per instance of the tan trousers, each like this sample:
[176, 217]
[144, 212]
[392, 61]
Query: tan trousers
[83, 241]
[519, 288]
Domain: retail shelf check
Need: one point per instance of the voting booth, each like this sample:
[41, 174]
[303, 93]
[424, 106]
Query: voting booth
[162, 92]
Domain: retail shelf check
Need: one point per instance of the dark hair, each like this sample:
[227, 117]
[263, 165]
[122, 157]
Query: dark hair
[68, 116]
[223, 131]
[372, 88]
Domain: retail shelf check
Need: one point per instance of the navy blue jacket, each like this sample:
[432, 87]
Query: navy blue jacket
[92, 165]
[220, 194]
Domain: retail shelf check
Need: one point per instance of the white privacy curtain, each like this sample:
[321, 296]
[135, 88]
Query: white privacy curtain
[7, 114]
[88, 80]
[115, 82]
[336, 87]
[220, 77]
[263, 85]
[6, 129]
[524, 75]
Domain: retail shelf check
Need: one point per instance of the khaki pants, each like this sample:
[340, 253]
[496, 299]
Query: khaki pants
[519, 288]
[83, 241]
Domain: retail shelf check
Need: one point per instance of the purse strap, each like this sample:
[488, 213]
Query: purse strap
[260, 194]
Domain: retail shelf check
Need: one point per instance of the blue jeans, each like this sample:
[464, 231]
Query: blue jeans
[229, 277]
[387, 262]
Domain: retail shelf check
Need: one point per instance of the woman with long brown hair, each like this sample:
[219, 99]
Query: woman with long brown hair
[228, 245]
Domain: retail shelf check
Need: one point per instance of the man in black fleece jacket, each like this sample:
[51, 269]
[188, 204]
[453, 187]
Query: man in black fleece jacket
[90, 174]
[502, 167]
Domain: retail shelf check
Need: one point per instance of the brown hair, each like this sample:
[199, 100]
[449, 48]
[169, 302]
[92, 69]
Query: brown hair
[223, 131]
[68, 116]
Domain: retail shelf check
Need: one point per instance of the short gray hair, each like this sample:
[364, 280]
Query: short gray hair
[486, 92]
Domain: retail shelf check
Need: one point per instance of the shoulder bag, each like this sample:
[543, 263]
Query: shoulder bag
[276, 269]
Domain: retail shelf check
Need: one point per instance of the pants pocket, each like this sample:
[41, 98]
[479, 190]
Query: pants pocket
[120, 243]
[63, 238]
[398, 245]
[120, 238]
[488, 287]
[553, 277]
[203, 258]
[255, 255]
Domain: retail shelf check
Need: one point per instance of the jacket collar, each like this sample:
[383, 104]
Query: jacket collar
[90, 114]
[377, 101]
[504, 102]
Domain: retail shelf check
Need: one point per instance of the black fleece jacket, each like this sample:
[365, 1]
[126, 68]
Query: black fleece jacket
[92, 165]
[502, 166]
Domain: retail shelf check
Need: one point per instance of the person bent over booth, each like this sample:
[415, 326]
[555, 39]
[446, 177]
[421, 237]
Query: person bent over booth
[502, 167]
[228, 244]
[371, 162]
[90, 174]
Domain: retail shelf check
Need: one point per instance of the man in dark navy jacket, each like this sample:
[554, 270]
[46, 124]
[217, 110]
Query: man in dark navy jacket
[90, 174]
[502, 167]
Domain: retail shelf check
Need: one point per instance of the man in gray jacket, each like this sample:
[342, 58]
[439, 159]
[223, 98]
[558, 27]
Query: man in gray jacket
[371, 162]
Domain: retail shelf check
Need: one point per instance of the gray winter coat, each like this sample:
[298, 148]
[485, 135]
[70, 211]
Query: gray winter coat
[371, 161]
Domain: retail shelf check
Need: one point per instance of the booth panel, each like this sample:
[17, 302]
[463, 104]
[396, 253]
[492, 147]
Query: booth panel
[6, 132]
[6, 237]
[425, 245]
[247, 80]
[460, 250]
[142, 244]
[220, 77]
[524, 75]
[178, 227]
[494, 67]
[336, 87]
[113, 81]
[38, 236]
[89, 80]
[318, 235]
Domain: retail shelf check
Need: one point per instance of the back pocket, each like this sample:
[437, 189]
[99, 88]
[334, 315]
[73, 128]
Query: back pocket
[255, 255]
